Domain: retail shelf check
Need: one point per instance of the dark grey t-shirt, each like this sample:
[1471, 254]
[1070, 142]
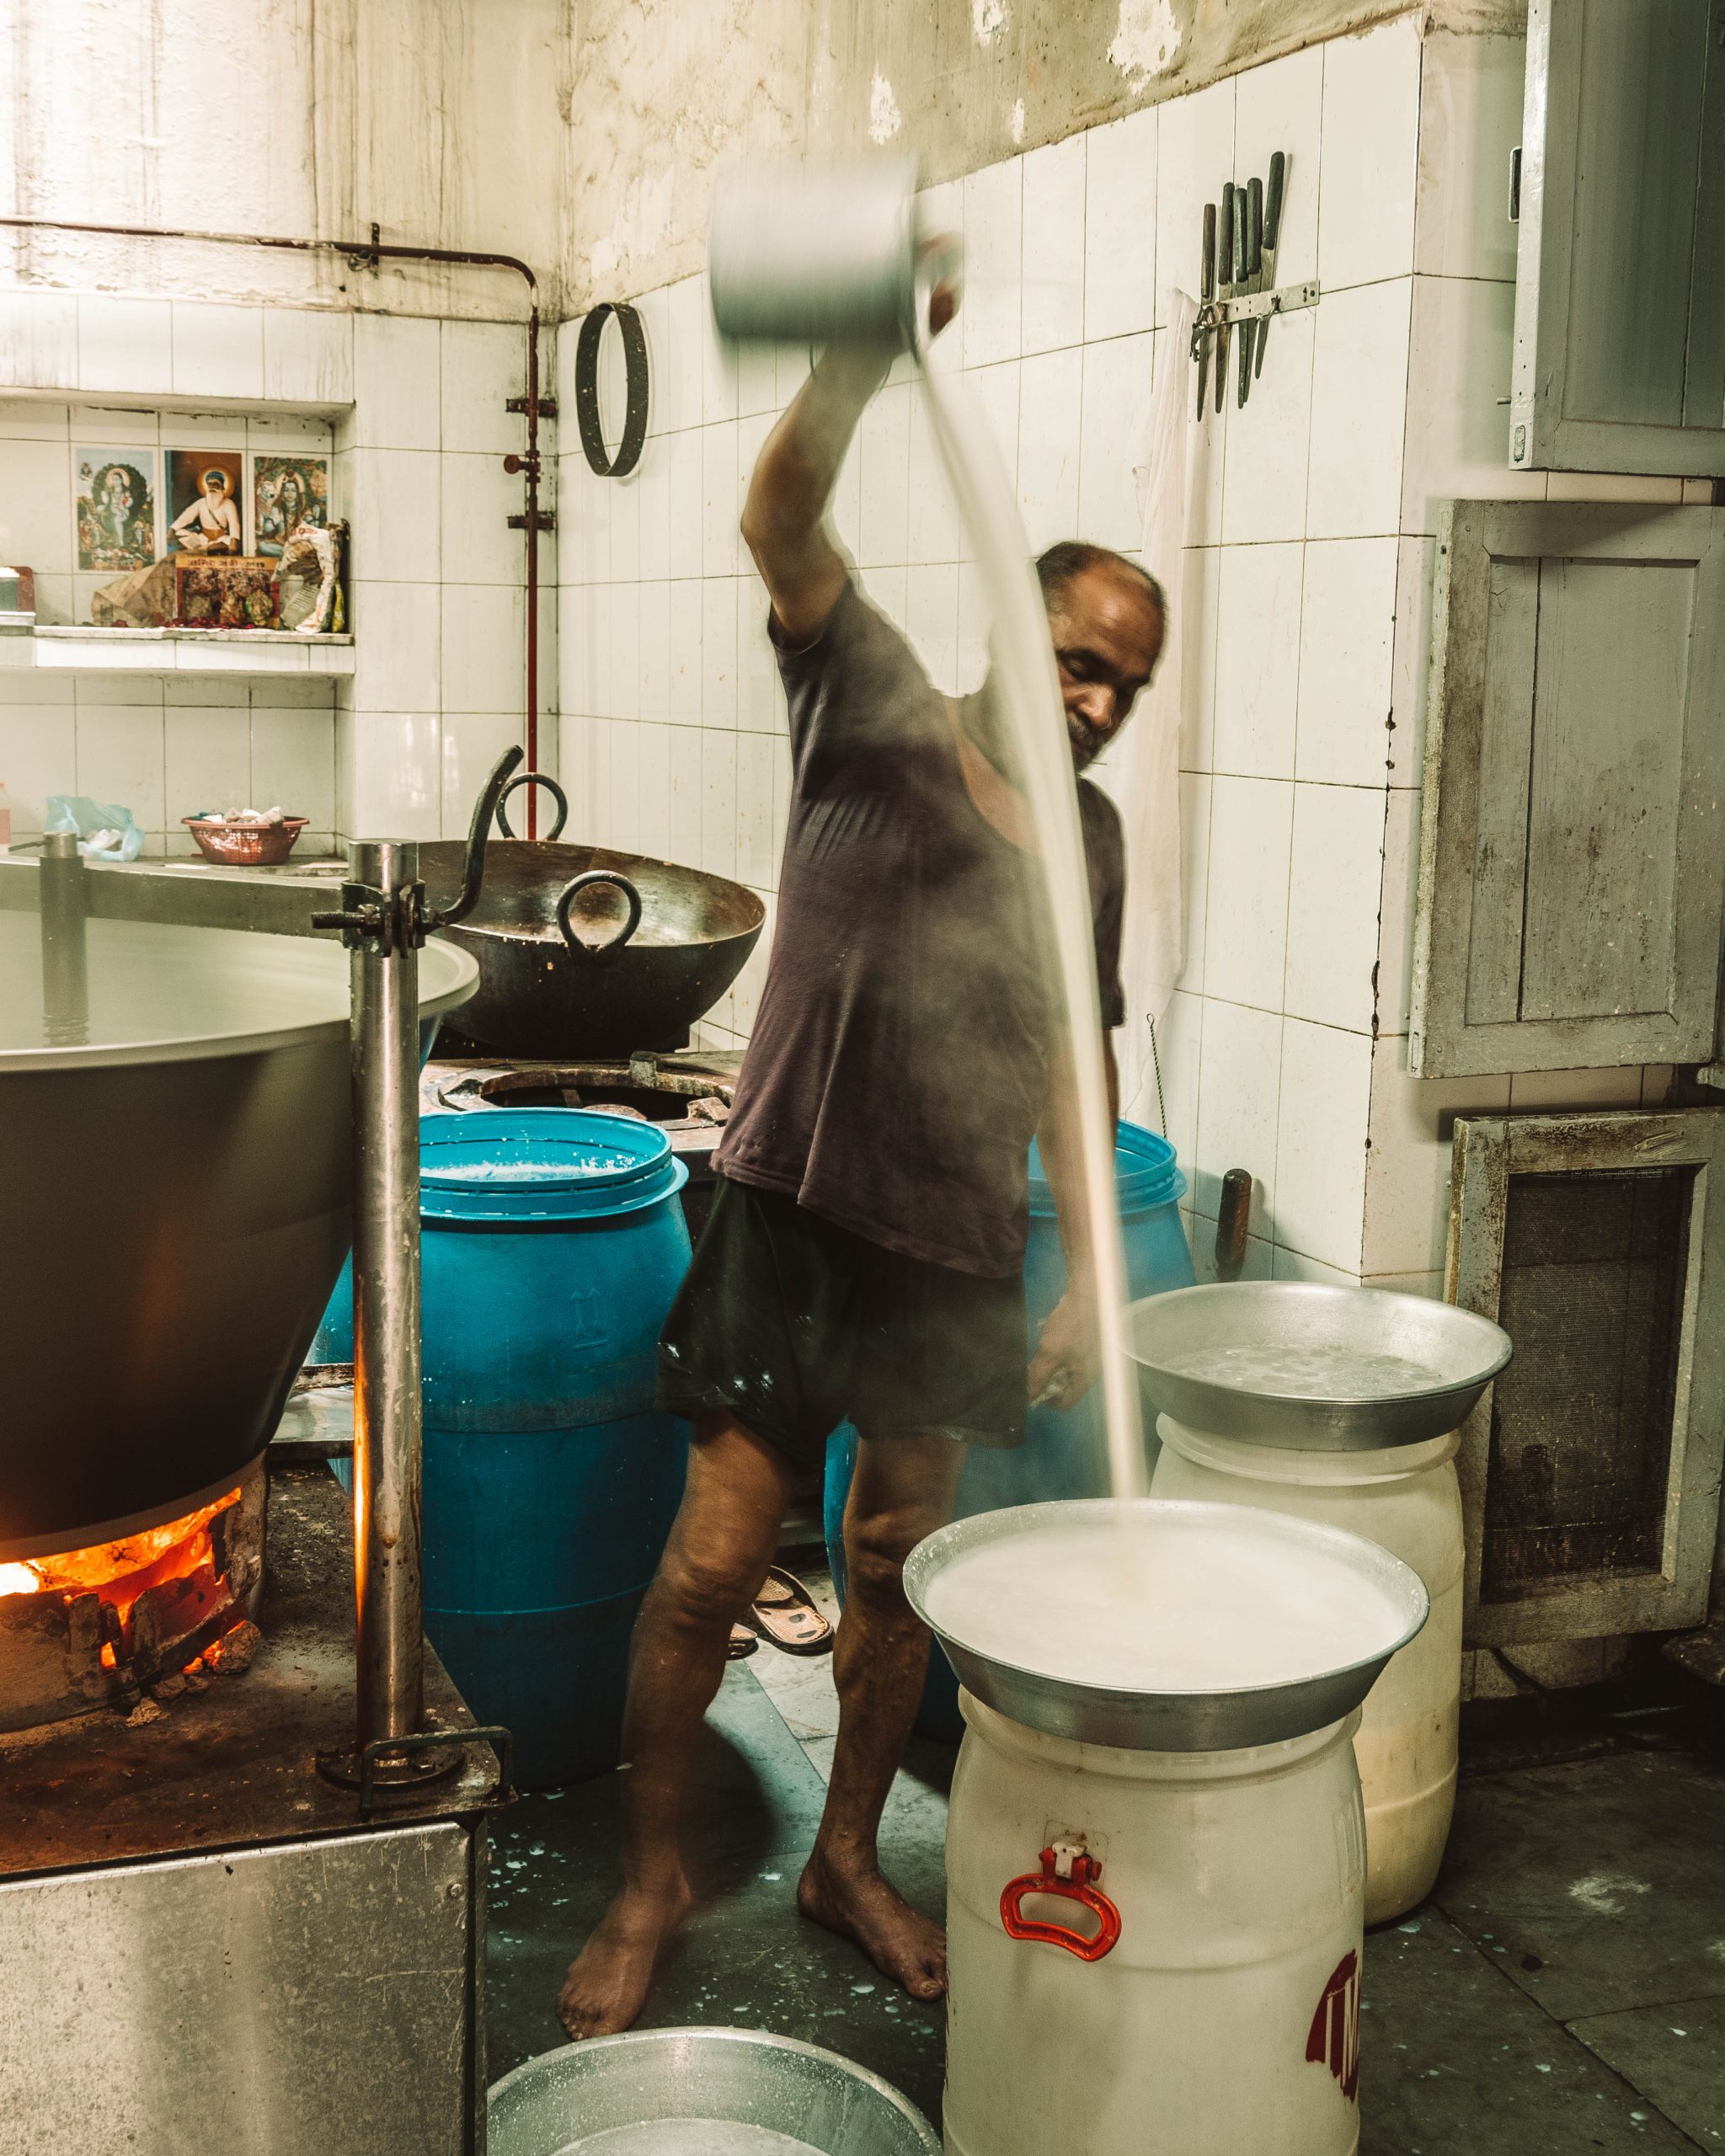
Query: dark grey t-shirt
[898, 1067]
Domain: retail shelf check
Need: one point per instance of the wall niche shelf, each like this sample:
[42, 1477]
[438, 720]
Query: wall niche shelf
[260, 652]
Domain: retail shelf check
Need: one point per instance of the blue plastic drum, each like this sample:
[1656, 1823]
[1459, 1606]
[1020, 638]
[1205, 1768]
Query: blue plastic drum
[552, 1246]
[1063, 1454]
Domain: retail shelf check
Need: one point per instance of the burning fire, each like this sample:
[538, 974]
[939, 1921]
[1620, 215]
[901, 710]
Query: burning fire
[120, 1571]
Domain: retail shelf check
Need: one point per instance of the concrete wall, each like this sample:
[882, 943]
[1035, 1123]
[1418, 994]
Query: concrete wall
[295, 117]
[660, 89]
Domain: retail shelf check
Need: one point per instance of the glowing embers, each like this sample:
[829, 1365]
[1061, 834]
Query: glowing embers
[100, 1626]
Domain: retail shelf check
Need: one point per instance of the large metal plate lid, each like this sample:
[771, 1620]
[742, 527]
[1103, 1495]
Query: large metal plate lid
[1313, 1368]
[1394, 1604]
[144, 992]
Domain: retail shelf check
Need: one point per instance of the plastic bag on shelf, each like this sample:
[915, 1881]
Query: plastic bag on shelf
[104, 831]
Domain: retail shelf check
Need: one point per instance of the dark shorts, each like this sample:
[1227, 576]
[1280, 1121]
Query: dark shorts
[794, 1325]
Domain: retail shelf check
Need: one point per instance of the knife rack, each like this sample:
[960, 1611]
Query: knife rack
[1237, 255]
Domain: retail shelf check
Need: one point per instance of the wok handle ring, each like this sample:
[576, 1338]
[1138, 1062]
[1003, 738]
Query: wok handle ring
[599, 953]
[551, 785]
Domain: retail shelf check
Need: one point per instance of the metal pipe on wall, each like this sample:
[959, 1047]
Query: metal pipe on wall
[371, 251]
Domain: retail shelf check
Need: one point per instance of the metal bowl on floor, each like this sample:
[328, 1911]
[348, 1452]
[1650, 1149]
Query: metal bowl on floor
[709, 2092]
[1314, 1368]
[1195, 1721]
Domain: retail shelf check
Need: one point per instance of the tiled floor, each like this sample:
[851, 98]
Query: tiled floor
[1563, 1992]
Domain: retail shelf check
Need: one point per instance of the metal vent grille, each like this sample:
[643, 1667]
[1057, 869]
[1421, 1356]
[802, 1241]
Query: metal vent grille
[1594, 1267]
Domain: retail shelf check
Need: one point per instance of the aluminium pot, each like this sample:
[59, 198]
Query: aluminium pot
[620, 979]
[174, 1157]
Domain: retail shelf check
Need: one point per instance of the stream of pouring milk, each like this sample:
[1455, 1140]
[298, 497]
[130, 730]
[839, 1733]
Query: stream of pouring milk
[1029, 690]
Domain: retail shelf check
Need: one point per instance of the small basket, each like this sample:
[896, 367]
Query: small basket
[245, 846]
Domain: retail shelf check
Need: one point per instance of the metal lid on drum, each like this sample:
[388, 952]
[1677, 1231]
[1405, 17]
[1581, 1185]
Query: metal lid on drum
[543, 1164]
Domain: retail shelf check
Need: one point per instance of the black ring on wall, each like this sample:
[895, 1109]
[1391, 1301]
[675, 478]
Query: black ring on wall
[628, 450]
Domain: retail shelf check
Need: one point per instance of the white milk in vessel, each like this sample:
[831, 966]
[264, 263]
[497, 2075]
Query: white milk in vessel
[1139, 1608]
[1156, 1953]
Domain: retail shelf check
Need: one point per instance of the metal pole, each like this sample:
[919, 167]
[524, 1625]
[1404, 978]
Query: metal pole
[64, 901]
[387, 1450]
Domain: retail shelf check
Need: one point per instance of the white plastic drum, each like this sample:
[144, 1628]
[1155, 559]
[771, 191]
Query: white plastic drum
[1164, 1947]
[1406, 1499]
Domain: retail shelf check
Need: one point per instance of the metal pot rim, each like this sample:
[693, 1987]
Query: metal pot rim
[447, 978]
[753, 2039]
[1321, 1291]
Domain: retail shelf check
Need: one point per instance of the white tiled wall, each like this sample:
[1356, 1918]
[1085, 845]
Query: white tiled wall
[672, 718]
[414, 409]
[166, 750]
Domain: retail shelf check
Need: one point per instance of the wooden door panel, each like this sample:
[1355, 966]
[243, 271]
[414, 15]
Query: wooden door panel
[1606, 788]
[1572, 842]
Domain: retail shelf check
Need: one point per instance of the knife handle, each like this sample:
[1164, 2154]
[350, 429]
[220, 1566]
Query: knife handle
[1254, 227]
[1225, 247]
[1273, 201]
[1208, 268]
[1239, 231]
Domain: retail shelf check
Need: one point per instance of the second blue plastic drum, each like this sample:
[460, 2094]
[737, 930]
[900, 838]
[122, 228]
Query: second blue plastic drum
[1064, 1454]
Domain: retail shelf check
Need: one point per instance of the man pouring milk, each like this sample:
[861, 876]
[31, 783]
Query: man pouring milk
[863, 1257]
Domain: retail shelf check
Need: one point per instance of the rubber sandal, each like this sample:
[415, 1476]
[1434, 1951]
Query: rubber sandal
[784, 1614]
[743, 1644]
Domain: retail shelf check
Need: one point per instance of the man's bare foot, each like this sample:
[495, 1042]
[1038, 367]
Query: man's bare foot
[856, 1901]
[607, 1984]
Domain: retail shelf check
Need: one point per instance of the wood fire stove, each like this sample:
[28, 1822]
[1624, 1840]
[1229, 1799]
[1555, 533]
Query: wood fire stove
[220, 1950]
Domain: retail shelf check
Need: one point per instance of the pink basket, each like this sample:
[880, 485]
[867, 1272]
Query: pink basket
[245, 846]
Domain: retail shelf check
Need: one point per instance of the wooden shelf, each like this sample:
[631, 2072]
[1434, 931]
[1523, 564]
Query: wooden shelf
[261, 652]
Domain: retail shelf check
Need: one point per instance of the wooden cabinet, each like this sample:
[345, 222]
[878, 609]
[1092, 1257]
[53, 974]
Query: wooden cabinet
[1572, 892]
[1619, 300]
[1591, 1471]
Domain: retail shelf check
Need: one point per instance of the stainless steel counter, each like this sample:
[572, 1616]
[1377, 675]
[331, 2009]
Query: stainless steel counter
[193, 894]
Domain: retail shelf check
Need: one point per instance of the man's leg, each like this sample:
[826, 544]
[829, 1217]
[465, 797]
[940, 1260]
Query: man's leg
[715, 1562]
[903, 1489]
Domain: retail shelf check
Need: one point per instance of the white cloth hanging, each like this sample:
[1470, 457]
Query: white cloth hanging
[1145, 781]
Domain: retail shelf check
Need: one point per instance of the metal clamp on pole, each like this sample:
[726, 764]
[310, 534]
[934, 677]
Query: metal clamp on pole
[453, 1741]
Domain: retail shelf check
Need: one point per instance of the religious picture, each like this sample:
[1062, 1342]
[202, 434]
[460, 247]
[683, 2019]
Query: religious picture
[286, 493]
[203, 496]
[117, 508]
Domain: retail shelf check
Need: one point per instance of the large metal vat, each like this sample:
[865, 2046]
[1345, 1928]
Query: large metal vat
[174, 1176]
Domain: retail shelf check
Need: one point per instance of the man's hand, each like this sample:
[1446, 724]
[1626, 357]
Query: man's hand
[1065, 1363]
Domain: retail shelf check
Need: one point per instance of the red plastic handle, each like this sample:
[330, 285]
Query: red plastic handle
[1079, 1887]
